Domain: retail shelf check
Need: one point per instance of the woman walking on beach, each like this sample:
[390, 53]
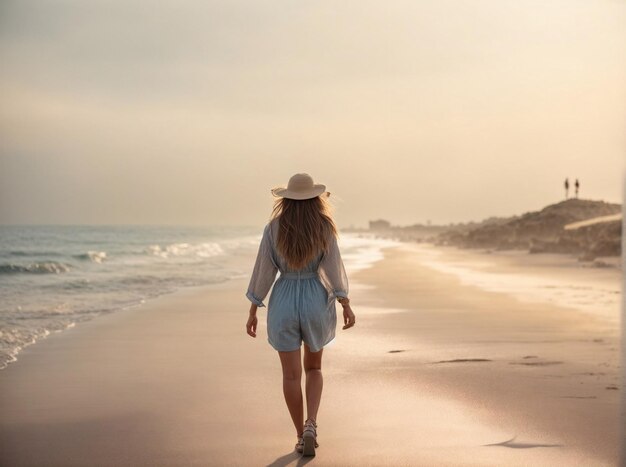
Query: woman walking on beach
[300, 241]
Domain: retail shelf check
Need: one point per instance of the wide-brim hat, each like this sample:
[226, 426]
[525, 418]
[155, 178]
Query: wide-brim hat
[300, 186]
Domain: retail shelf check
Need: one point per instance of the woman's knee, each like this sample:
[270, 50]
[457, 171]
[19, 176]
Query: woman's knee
[292, 373]
[292, 366]
[312, 369]
[312, 361]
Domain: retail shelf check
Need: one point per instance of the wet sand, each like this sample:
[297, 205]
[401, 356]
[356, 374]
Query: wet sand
[435, 372]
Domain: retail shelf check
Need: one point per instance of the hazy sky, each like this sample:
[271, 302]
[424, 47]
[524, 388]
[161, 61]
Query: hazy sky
[189, 112]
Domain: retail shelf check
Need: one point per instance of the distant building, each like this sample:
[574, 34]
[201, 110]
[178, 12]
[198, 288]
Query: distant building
[380, 224]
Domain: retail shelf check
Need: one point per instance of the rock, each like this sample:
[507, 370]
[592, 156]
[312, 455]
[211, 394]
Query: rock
[543, 231]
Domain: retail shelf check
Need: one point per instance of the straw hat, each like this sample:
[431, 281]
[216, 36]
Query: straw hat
[300, 186]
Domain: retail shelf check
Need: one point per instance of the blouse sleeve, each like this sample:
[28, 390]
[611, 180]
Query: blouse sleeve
[332, 270]
[264, 272]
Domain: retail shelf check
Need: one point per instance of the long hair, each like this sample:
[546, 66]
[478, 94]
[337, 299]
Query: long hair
[305, 228]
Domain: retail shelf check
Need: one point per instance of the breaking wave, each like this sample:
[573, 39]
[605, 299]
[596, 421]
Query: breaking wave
[93, 256]
[42, 267]
[201, 250]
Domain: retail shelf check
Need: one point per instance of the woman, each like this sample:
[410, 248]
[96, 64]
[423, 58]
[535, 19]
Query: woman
[300, 241]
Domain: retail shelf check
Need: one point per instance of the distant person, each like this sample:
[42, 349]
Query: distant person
[577, 185]
[566, 188]
[300, 241]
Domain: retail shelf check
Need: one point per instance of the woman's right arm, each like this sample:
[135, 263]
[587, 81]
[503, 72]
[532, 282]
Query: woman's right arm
[333, 272]
[348, 315]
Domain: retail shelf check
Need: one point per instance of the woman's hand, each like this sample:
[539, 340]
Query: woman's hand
[348, 317]
[251, 324]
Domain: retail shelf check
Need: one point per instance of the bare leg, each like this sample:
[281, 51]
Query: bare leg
[314, 381]
[292, 376]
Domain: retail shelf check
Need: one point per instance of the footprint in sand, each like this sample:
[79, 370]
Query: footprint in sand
[546, 363]
[464, 360]
[509, 443]
[578, 397]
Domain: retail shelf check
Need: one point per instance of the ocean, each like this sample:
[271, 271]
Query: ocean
[55, 277]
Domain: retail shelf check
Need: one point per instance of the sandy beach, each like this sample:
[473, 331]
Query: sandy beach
[159, 161]
[436, 372]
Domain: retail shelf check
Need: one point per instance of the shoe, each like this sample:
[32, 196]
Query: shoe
[300, 444]
[309, 436]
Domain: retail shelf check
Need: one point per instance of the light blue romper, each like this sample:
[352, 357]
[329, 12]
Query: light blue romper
[301, 306]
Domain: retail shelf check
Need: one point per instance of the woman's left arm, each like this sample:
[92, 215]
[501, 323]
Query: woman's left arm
[263, 275]
[264, 272]
[252, 321]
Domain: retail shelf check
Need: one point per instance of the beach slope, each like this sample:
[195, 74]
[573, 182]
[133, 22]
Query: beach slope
[435, 372]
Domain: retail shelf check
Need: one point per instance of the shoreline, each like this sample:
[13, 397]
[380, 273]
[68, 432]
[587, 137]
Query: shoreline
[541, 278]
[558, 259]
[531, 349]
[174, 375]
